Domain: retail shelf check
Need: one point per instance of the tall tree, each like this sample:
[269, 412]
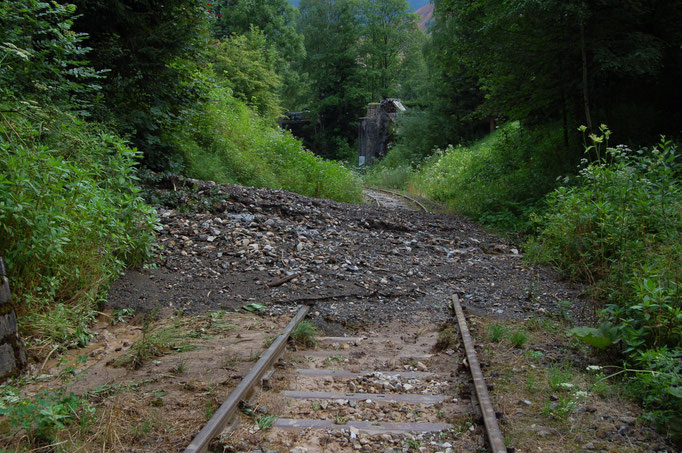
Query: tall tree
[573, 61]
[249, 71]
[332, 32]
[387, 31]
[150, 48]
[277, 19]
[42, 59]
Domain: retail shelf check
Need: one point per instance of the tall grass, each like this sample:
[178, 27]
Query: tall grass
[227, 142]
[499, 180]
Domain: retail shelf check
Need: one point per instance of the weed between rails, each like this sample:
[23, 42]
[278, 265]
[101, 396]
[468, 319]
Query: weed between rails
[264, 421]
[304, 334]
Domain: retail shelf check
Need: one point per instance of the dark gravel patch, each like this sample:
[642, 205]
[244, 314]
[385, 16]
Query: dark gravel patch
[353, 263]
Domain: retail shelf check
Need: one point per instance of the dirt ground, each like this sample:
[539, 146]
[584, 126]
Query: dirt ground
[382, 274]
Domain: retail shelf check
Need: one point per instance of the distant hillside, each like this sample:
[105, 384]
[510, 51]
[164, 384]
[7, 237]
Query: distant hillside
[414, 4]
[426, 14]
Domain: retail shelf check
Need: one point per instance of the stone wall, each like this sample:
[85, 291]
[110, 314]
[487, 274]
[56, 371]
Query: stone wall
[374, 130]
[12, 356]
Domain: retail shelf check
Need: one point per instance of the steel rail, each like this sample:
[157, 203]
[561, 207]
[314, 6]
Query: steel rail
[489, 419]
[229, 408]
[376, 200]
[407, 197]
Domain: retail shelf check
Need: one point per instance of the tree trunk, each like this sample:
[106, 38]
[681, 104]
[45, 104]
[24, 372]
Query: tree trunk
[586, 98]
[564, 115]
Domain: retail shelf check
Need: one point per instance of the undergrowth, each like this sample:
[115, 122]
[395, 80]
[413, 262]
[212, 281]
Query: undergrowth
[227, 142]
[45, 415]
[618, 228]
[70, 219]
[498, 181]
[304, 334]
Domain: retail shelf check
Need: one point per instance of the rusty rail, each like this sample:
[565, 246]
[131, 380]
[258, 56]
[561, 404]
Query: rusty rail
[375, 199]
[229, 408]
[489, 419]
[407, 197]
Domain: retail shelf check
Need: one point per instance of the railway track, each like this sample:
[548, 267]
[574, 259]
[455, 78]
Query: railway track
[402, 387]
[390, 199]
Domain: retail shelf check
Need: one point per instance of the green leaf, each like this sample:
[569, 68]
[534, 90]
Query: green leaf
[593, 337]
[255, 308]
[675, 391]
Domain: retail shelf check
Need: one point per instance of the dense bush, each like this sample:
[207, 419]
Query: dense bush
[70, 218]
[46, 415]
[619, 228]
[247, 64]
[228, 143]
[42, 59]
[149, 49]
[499, 180]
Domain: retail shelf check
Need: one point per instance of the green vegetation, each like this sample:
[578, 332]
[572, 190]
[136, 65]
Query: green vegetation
[76, 99]
[46, 414]
[304, 334]
[64, 183]
[157, 341]
[618, 228]
[533, 74]
[559, 378]
[149, 55]
[227, 142]
[498, 181]
[355, 54]
[251, 77]
[121, 316]
[264, 421]
[283, 48]
[91, 90]
[518, 338]
[496, 332]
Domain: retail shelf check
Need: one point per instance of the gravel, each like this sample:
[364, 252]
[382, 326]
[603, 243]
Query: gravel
[352, 263]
